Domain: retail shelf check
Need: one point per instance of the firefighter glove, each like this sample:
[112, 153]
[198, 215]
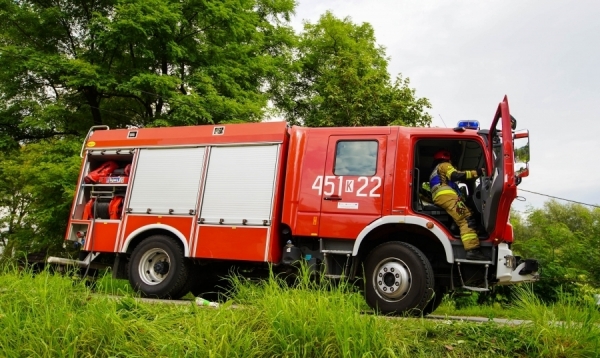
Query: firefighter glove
[471, 174]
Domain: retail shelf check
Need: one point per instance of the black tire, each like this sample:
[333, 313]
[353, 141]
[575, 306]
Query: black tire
[191, 281]
[158, 268]
[399, 279]
[435, 302]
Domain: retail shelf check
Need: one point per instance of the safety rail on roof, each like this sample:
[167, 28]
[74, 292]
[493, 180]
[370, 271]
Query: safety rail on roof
[89, 133]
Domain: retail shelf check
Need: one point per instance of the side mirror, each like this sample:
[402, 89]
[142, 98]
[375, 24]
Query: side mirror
[522, 173]
[522, 155]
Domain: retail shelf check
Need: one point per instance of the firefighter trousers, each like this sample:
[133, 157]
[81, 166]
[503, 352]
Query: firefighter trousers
[461, 214]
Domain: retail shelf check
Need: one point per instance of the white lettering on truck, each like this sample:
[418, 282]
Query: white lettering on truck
[328, 185]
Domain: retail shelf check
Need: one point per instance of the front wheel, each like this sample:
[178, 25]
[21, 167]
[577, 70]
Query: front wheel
[158, 268]
[399, 279]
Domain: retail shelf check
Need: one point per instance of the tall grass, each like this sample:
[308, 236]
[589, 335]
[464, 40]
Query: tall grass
[310, 319]
[495, 310]
[47, 315]
[570, 327]
[105, 284]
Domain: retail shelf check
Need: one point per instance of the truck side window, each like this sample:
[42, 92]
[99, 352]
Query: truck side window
[356, 158]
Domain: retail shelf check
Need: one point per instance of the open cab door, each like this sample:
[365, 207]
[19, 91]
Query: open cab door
[499, 184]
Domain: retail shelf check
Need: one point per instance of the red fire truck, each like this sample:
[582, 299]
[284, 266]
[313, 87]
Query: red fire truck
[172, 209]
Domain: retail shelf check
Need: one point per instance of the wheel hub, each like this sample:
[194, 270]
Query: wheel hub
[154, 266]
[392, 279]
[161, 268]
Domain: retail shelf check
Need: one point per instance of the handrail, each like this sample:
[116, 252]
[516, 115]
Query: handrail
[89, 133]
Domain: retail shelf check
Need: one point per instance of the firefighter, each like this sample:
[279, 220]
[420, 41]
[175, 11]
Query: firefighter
[447, 195]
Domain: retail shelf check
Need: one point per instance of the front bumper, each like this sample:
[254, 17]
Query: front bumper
[512, 269]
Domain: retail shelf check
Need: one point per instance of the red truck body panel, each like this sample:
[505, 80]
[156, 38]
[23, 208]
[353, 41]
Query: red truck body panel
[315, 194]
[202, 241]
[307, 209]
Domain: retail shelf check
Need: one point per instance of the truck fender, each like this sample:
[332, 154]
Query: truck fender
[172, 230]
[410, 220]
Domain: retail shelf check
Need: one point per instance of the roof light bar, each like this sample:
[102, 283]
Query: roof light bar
[468, 124]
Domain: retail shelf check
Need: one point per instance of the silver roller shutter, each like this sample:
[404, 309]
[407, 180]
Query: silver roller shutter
[167, 179]
[239, 185]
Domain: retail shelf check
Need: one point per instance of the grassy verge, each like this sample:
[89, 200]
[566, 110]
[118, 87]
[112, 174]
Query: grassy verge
[48, 315]
[107, 285]
[526, 306]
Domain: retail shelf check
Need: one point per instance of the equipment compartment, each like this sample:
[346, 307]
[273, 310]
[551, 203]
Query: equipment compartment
[103, 185]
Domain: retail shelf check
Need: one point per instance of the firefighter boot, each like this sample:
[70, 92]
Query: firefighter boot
[476, 255]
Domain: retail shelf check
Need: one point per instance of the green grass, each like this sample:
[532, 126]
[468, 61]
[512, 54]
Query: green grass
[526, 306]
[107, 285]
[496, 310]
[47, 315]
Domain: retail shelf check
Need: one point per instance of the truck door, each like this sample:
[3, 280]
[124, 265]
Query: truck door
[498, 187]
[352, 185]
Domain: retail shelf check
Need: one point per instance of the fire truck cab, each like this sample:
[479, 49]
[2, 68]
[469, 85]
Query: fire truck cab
[173, 209]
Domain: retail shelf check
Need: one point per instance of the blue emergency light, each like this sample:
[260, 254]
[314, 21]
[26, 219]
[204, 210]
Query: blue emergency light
[470, 124]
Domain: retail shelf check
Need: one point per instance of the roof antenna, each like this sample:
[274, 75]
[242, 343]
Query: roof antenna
[442, 120]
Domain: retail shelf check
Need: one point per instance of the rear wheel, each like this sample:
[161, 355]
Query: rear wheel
[399, 279]
[158, 268]
[191, 280]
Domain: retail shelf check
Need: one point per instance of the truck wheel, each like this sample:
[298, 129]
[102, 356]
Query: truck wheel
[191, 281]
[158, 267]
[399, 279]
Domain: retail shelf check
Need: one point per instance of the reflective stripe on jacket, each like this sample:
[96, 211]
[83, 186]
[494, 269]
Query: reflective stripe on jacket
[440, 183]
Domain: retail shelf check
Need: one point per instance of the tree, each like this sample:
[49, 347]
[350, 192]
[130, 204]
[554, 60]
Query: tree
[65, 65]
[566, 241]
[36, 191]
[340, 78]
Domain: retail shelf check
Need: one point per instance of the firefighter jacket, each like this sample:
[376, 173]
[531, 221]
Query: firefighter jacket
[443, 179]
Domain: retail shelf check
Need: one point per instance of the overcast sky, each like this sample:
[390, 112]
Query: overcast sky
[466, 55]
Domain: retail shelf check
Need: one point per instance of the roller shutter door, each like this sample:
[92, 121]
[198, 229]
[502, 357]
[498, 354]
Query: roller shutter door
[167, 179]
[239, 185]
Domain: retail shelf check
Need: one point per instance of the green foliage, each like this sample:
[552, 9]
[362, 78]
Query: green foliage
[36, 192]
[65, 65]
[340, 78]
[565, 238]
